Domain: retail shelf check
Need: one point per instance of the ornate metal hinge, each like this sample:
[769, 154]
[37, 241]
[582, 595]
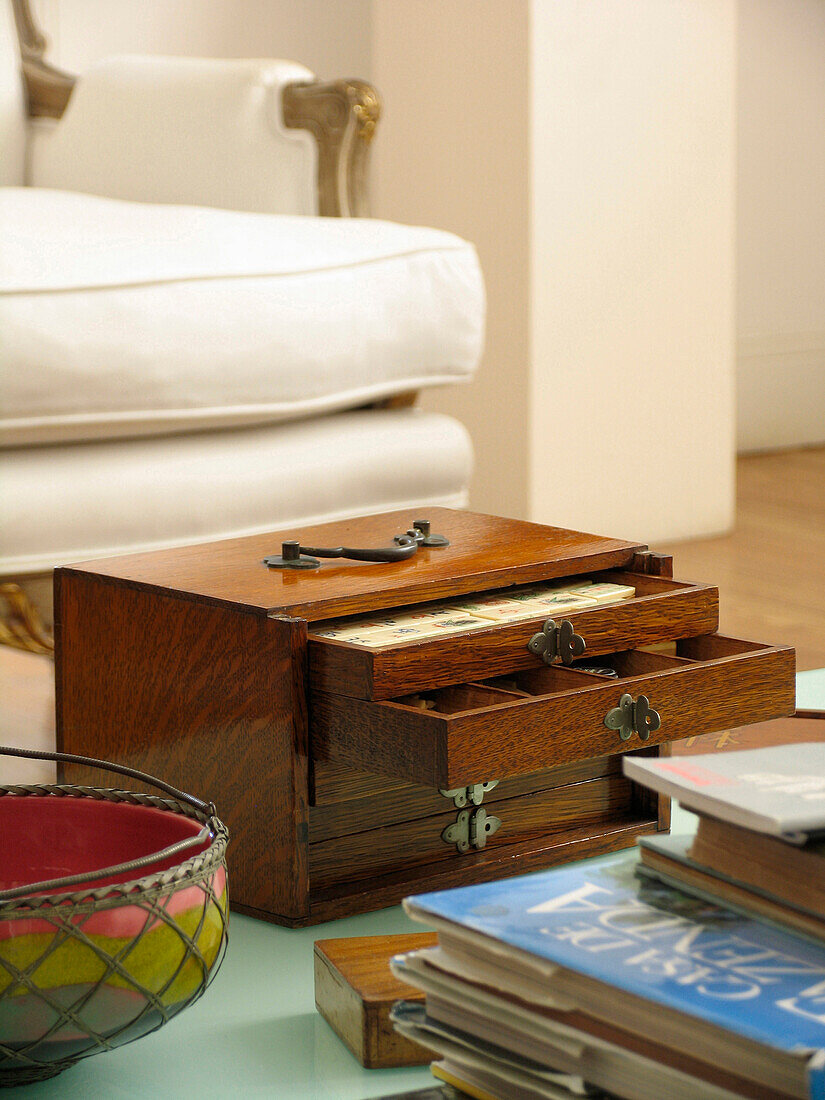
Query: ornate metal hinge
[473, 825]
[629, 717]
[475, 793]
[471, 829]
[557, 641]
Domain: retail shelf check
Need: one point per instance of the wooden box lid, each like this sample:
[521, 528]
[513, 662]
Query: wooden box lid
[355, 990]
[484, 552]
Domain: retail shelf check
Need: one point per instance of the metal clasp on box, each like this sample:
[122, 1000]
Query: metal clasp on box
[473, 825]
[633, 716]
[557, 641]
[474, 794]
[471, 829]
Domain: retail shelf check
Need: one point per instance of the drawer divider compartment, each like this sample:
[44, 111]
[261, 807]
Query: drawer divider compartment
[738, 683]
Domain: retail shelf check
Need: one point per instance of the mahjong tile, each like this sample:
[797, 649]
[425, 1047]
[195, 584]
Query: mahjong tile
[453, 623]
[608, 593]
[404, 632]
[568, 585]
[350, 637]
[386, 622]
[531, 609]
[346, 631]
[429, 613]
[497, 608]
[561, 601]
[524, 595]
[331, 632]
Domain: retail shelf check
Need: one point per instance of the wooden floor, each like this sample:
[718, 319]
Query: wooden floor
[770, 573]
[771, 570]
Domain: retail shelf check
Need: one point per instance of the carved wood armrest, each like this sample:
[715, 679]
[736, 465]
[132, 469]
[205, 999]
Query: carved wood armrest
[21, 625]
[341, 115]
[47, 89]
[397, 401]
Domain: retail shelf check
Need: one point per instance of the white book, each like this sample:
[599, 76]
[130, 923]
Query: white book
[779, 790]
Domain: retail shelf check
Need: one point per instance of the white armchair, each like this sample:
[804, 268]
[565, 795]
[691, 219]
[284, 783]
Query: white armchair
[183, 358]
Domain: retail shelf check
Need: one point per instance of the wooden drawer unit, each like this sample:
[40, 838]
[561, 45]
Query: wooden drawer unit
[662, 610]
[352, 772]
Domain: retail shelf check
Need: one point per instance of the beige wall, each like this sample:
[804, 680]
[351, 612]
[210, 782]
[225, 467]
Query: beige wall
[331, 38]
[781, 223]
[588, 149]
[632, 272]
[453, 153]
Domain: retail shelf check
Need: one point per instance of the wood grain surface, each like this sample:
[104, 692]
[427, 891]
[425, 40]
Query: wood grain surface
[355, 990]
[485, 552]
[662, 610]
[337, 783]
[377, 805]
[208, 699]
[561, 846]
[780, 731]
[770, 567]
[741, 683]
[652, 562]
[411, 843]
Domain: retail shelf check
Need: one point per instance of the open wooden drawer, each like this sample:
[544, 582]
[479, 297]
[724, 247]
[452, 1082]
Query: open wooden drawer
[662, 610]
[547, 716]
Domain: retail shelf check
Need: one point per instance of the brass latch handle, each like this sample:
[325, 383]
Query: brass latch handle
[631, 717]
[557, 641]
[295, 556]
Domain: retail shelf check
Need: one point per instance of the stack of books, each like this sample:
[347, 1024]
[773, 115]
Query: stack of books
[596, 980]
[760, 840]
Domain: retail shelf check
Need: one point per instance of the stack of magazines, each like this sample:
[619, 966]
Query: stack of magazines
[759, 844]
[595, 980]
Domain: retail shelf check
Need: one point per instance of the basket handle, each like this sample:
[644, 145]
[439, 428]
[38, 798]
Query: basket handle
[121, 868]
[62, 884]
[121, 769]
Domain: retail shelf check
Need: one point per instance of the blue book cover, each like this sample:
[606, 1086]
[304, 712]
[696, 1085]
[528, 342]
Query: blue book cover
[647, 939]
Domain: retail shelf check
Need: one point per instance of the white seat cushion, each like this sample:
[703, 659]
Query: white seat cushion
[122, 318]
[87, 500]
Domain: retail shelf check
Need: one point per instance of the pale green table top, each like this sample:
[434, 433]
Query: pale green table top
[810, 689]
[256, 1032]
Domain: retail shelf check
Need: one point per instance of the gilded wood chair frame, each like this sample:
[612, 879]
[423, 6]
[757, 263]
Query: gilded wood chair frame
[340, 114]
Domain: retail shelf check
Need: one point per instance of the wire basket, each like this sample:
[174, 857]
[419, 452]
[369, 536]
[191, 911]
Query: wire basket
[131, 931]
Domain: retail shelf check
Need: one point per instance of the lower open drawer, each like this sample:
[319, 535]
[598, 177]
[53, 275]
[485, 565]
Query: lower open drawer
[518, 723]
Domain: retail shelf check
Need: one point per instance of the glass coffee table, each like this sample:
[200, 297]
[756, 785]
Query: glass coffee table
[256, 1032]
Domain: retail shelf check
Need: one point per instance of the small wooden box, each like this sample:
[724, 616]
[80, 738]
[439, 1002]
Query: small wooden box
[355, 990]
[338, 767]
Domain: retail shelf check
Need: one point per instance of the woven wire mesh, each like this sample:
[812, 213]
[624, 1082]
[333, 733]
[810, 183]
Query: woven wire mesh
[136, 983]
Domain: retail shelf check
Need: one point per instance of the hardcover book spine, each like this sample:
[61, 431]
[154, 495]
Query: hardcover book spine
[816, 1076]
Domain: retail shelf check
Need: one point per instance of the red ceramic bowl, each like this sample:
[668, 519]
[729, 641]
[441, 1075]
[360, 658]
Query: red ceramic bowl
[96, 963]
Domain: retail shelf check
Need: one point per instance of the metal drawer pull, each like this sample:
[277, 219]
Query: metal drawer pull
[557, 641]
[629, 717]
[471, 829]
